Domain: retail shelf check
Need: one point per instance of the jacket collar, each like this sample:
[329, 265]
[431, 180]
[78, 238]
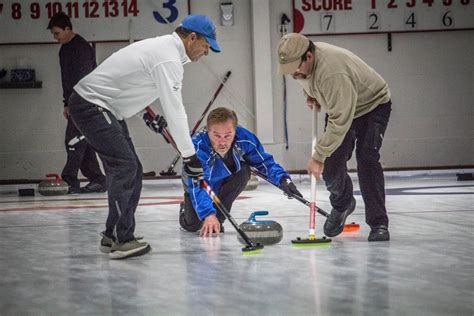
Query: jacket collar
[182, 51]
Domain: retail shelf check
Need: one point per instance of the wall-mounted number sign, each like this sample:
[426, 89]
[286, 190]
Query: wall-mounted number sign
[316, 17]
[96, 20]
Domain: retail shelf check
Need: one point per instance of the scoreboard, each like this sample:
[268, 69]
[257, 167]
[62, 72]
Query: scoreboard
[317, 17]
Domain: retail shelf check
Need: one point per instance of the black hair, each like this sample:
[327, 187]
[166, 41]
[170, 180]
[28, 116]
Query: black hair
[311, 48]
[183, 33]
[60, 20]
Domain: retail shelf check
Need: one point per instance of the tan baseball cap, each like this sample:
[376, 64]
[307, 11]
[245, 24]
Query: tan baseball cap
[290, 49]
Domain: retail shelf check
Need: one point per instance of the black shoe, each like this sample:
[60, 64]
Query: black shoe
[73, 190]
[334, 224]
[379, 233]
[93, 188]
[222, 228]
[184, 226]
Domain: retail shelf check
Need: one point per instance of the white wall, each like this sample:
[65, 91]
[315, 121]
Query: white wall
[431, 79]
[430, 75]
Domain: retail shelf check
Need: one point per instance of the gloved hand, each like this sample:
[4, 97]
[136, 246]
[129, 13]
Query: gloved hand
[192, 167]
[156, 124]
[289, 187]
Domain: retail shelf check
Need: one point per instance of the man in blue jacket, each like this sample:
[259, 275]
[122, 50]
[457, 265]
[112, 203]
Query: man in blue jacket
[227, 151]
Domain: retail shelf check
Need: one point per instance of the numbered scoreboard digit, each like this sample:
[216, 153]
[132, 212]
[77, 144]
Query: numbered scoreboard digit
[410, 20]
[328, 22]
[447, 19]
[373, 21]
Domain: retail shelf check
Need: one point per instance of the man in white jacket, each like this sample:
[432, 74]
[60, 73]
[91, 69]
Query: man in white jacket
[122, 86]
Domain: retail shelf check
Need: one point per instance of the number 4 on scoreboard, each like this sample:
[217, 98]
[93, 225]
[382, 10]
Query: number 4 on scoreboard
[428, 2]
[410, 20]
[131, 8]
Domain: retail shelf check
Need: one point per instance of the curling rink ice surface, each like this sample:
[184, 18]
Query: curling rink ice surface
[50, 261]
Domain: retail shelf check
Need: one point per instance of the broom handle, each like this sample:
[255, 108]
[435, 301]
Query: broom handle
[312, 205]
[166, 134]
[224, 210]
[296, 197]
[199, 121]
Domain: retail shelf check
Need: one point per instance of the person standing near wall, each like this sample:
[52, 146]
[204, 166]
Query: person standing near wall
[357, 102]
[122, 86]
[77, 59]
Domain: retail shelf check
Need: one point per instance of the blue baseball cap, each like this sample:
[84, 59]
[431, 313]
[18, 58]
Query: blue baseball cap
[203, 25]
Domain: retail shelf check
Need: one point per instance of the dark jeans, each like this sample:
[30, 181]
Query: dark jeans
[123, 170]
[366, 134]
[230, 189]
[80, 156]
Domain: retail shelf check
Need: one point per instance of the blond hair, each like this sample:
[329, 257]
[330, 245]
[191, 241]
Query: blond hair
[221, 115]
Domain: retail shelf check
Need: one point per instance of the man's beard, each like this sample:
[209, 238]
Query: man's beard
[222, 151]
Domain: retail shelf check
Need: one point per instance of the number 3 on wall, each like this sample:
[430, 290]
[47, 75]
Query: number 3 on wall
[171, 17]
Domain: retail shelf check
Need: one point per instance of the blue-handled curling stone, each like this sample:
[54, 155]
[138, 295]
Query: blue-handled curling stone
[266, 232]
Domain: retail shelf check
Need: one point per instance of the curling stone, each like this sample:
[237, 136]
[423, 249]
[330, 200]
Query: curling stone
[54, 186]
[265, 232]
[252, 184]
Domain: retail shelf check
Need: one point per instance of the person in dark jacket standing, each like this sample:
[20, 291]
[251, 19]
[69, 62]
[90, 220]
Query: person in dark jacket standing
[227, 151]
[77, 59]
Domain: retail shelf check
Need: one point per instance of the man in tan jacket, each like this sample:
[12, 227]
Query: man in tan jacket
[357, 102]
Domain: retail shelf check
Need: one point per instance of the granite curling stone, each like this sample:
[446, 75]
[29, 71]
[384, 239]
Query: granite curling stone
[266, 232]
[54, 186]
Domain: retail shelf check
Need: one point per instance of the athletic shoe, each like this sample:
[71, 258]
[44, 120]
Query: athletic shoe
[132, 248]
[184, 226]
[334, 224]
[73, 190]
[379, 233]
[93, 188]
[107, 242]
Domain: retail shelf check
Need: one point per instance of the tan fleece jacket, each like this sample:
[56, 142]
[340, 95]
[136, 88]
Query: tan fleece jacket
[347, 88]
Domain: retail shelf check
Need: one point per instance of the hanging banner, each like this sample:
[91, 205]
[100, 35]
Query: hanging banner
[96, 20]
[317, 17]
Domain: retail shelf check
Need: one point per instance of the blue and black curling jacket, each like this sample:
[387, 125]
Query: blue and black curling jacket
[246, 147]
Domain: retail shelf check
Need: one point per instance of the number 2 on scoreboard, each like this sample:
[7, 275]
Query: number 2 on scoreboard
[373, 21]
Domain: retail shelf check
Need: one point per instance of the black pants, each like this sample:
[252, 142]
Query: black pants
[123, 170]
[80, 156]
[366, 134]
[228, 192]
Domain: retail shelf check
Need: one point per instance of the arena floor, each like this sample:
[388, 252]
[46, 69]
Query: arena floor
[50, 262]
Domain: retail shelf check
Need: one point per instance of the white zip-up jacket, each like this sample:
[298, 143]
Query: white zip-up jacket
[135, 76]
